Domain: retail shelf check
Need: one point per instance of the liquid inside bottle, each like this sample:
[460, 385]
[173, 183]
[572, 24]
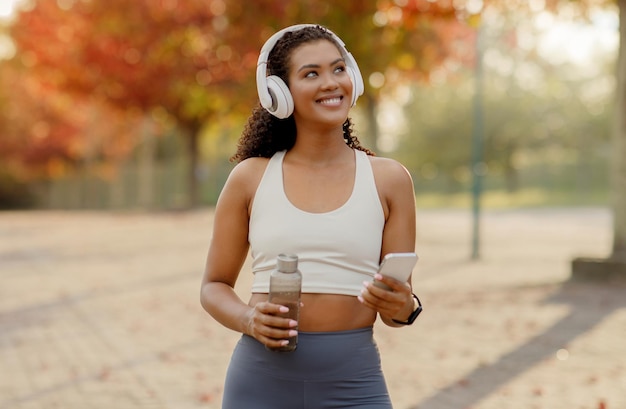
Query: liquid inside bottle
[285, 289]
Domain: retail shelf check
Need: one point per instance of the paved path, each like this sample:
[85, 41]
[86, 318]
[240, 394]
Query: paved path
[101, 310]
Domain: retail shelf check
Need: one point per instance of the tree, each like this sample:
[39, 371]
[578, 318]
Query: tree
[614, 266]
[195, 60]
[393, 42]
[140, 57]
[519, 125]
[37, 133]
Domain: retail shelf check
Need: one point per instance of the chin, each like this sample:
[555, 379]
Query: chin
[335, 120]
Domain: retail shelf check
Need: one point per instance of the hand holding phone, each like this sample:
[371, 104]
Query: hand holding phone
[398, 266]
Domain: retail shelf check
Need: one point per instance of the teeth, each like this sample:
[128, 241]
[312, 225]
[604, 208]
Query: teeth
[331, 101]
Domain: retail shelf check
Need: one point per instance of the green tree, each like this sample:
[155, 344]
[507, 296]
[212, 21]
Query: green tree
[614, 266]
[520, 124]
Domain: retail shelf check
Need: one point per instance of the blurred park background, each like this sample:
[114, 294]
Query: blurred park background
[138, 105]
[514, 107]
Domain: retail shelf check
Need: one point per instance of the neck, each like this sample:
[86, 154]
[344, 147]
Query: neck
[320, 146]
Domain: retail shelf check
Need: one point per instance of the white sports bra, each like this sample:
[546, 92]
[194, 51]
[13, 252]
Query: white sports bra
[337, 250]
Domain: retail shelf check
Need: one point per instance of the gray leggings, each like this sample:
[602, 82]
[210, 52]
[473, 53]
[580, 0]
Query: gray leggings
[327, 370]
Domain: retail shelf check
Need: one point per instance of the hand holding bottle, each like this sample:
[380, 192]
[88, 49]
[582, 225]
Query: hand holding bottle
[269, 324]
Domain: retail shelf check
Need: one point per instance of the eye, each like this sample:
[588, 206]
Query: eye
[340, 68]
[310, 74]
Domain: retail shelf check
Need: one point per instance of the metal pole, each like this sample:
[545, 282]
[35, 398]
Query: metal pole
[477, 145]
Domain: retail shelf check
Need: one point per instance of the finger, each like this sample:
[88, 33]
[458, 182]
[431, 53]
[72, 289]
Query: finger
[392, 283]
[271, 308]
[267, 325]
[274, 343]
[274, 318]
[372, 296]
[274, 315]
[383, 301]
[278, 333]
[378, 305]
[275, 337]
[377, 295]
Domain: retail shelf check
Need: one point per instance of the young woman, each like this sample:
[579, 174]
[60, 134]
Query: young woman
[304, 185]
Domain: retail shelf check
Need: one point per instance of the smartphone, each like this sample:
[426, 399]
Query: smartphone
[396, 265]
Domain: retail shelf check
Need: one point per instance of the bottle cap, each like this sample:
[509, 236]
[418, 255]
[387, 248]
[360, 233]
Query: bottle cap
[287, 263]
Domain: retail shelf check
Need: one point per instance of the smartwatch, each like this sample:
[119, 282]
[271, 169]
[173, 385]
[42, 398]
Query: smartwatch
[417, 309]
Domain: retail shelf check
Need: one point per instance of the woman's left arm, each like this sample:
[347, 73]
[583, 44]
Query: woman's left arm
[395, 189]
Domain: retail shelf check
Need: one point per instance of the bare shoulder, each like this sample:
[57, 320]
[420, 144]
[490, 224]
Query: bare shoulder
[243, 181]
[395, 188]
[389, 172]
[248, 173]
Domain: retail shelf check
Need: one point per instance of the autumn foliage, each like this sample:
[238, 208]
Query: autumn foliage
[87, 72]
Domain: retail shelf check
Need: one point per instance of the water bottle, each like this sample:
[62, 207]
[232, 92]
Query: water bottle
[285, 289]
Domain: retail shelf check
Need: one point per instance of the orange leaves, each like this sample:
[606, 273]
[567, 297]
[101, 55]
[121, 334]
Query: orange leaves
[193, 59]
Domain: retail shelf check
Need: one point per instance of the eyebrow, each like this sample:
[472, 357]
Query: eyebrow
[307, 66]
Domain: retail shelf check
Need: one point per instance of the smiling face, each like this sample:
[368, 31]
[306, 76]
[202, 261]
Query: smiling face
[319, 83]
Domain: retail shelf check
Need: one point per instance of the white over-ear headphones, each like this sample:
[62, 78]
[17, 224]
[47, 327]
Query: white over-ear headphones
[274, 94]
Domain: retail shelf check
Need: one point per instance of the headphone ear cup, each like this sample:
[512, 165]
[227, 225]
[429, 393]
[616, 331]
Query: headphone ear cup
[282, 101]
[355, 85]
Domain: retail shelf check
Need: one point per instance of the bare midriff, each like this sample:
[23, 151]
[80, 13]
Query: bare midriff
[328, 312]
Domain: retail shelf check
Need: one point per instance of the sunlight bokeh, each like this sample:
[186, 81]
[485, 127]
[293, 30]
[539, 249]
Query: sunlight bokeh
[577, 42]
[7, 8]
[7, 12]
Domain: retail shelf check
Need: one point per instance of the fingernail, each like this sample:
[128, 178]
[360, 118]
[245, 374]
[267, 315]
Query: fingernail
[366, 283]
[293, 323]
[284, 342]
[283, 309]
[293, 333]
[378, 276]
[359, 298]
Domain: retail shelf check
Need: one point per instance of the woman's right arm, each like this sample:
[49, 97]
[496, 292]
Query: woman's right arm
[227, 253]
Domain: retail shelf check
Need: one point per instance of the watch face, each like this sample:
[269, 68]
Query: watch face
[415, 314]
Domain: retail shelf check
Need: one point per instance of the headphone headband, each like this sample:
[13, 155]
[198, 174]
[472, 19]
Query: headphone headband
[274, 93]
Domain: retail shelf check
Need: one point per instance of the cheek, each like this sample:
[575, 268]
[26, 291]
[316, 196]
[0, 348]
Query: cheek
[303, 90]
[346, 82]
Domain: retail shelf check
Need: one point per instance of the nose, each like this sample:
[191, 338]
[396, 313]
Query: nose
[330, 82]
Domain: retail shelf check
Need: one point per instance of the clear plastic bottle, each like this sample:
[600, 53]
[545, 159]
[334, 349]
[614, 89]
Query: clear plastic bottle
[285, 289]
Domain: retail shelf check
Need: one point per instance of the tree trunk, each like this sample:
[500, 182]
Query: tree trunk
[192, 176]
[371, 139]
[618, 170]
[146, 162]
[614, 267]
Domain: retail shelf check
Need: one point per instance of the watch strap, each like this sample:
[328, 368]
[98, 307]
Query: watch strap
[413, 315]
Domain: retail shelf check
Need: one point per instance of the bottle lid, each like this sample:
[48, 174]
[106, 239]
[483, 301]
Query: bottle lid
[287, 263]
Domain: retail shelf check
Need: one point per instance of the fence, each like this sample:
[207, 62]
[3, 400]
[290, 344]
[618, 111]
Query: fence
[165, 185]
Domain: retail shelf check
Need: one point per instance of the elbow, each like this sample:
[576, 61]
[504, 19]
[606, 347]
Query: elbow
[211, 292]
[205, 297]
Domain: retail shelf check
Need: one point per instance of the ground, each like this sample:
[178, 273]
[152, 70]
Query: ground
[101, 310]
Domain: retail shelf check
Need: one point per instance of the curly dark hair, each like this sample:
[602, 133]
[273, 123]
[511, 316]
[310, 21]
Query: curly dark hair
[264, 134]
